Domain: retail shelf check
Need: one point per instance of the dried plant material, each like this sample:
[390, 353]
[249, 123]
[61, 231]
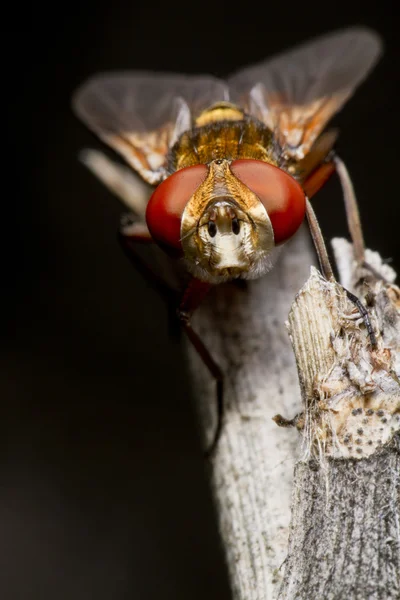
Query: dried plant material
[351, 390]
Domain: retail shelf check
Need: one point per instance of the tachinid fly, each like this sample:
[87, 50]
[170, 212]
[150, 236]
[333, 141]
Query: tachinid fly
[233, 163]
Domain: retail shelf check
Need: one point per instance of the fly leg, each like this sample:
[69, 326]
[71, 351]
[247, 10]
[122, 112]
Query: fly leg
[353, 217]
[192, 298]
[352, 212]
[137, 233]
[319, 242]
[327, 271]
[356, 234]
[131, 234]
[318, 178]
[313, 184]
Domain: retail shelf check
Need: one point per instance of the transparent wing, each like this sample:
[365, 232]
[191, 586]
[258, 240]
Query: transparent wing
[141, 114]
[296, 93]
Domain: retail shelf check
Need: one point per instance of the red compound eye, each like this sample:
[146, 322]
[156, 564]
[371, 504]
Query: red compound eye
[167, 203]
[282, 196]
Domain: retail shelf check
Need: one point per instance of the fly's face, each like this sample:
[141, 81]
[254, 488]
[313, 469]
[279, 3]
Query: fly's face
[226, 242]
[226, 217]
[225, 230]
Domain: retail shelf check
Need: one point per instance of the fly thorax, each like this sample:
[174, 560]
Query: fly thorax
[225, 231]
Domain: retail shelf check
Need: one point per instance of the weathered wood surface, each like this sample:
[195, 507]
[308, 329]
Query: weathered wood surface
[344, 528]
[252, 471]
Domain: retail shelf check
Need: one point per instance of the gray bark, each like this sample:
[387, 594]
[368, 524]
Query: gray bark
[344, 542]
[252, 470]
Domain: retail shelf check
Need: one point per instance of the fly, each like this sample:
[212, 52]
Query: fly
[232, 163]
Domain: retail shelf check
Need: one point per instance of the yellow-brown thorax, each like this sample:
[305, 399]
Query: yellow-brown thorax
[223, 132]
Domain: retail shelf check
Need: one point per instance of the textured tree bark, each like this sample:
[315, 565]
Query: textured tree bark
[252, 470]
[344, 539]
[344, 533]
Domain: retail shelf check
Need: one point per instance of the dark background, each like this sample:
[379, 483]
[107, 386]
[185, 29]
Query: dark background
[103, 490]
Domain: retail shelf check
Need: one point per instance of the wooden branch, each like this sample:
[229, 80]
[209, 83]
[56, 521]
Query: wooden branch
[344, 539]
[344, 534]
[252, 470]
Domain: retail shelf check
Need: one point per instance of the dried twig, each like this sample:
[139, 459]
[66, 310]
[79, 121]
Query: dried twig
[253, 468]
[344, 534]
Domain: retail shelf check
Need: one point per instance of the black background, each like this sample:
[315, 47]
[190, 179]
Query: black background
[103, 490]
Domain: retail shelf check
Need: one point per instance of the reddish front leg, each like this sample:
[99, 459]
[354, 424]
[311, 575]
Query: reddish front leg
[318, 178]
[192, 298]
[134, 233]
[311, 186]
